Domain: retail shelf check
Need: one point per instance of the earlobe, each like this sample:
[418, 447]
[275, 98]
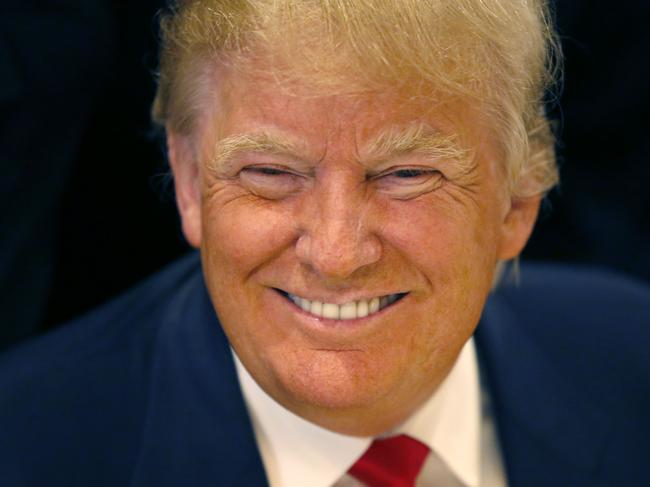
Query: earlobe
[187, 186]
[518, 226]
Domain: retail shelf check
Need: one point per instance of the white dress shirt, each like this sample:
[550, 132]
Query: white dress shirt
[465, 452]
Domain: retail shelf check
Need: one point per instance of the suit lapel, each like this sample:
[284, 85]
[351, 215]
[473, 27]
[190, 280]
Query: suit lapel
[197, 431]
[550, 433]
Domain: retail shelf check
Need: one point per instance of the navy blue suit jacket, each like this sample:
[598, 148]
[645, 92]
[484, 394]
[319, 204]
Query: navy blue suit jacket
[143, 391]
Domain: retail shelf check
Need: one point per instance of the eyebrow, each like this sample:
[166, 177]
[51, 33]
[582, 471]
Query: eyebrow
[416, 138]
[228, 148]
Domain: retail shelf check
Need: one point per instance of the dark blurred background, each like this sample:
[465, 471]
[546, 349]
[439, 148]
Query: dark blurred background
[85, 205]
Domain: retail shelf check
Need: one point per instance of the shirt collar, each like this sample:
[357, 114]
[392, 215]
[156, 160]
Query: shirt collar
[448, 423]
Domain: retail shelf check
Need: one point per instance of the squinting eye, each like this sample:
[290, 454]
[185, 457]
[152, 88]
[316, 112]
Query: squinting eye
[267, 171]
[410, 173]
[408, 182]
[270, 182]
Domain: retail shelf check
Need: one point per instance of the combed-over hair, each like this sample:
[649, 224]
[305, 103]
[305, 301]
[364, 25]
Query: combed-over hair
[498, 54]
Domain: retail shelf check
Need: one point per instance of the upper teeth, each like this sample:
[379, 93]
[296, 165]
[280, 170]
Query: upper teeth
[345, 311]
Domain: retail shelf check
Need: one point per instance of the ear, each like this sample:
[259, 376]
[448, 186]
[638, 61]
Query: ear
[187, 186]
[517, 226]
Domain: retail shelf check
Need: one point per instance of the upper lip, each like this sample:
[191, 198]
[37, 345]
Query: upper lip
[340, 298]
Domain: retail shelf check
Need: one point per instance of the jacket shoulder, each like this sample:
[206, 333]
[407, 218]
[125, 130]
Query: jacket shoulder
[81, 389]
[586, 315]
[130, 317]
[602, 307]
[591, 325]
[565, 355]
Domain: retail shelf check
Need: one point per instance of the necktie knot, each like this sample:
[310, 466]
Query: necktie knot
[391, 462]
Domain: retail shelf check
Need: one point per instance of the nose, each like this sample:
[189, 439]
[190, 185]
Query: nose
[336, 231]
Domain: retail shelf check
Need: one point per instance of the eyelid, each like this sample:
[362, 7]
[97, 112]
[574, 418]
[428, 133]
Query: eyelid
[273, 186]
[285, 170]
[263, 170]
[409, 187]
[394, 169]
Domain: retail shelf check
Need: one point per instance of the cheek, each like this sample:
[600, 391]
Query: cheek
[242, 235]
[441, 237]
[453, 247]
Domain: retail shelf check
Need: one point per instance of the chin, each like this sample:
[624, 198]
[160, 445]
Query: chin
[334, 380]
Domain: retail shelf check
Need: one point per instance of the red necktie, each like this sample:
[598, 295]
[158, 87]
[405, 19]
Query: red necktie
[391, 462]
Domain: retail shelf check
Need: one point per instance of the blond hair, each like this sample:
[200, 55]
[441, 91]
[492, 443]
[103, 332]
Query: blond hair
[501, 54]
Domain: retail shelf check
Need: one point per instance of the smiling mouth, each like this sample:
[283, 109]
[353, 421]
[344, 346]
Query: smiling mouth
[347, 311]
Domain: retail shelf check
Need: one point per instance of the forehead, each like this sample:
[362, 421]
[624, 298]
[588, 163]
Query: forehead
[243, 104]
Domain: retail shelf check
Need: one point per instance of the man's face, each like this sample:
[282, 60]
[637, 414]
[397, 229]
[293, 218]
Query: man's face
[382, 217]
